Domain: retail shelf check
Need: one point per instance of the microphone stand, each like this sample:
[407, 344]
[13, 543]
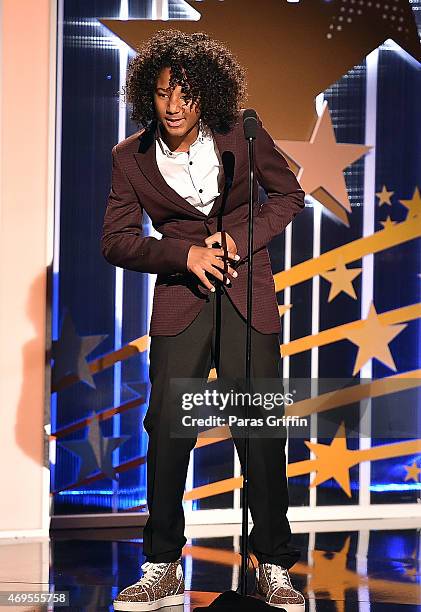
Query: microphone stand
[244, 536]
[239, 600]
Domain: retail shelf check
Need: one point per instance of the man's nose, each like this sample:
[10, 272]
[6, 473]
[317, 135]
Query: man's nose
[174, 104]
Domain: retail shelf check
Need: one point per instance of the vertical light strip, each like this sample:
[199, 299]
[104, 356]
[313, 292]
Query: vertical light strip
[160, 9]
[315, 328]
[188, 569]
[286, 319]
[237, 474]
[55, 281]
[367, 292]
[235, 568]
[315, 316]
[361, 559]
[310, 562]
[119, 272]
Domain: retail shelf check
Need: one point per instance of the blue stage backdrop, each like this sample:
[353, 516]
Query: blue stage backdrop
[100, 381]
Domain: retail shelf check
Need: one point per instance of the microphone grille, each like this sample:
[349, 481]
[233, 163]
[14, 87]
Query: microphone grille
[250, 123]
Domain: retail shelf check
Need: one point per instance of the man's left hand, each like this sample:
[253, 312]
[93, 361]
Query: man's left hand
[225, 240]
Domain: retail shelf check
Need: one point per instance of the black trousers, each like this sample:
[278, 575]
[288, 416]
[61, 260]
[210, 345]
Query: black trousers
[217, 335]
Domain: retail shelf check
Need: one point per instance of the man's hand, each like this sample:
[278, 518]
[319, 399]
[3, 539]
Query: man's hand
[224, 239]
[206, 259]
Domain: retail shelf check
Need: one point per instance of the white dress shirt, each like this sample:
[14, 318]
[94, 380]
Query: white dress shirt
[194, 174]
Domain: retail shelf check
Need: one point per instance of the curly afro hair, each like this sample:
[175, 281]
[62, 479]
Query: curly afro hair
[207, 71]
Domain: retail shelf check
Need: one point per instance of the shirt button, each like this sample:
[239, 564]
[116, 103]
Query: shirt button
[191, 163]
[200, 190]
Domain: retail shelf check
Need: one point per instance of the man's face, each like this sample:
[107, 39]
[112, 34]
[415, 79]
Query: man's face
[176, 117]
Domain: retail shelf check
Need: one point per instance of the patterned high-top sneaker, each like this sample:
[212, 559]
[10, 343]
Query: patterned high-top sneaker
[274, 585]
[162, 584]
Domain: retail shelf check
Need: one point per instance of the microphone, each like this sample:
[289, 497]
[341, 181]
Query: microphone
[250, 124]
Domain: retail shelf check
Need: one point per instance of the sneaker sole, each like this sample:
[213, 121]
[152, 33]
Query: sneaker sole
[144, 606]
[286, 607]
[289, 607]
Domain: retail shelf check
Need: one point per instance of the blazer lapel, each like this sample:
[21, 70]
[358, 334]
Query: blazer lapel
[146, 160]
[226, 150]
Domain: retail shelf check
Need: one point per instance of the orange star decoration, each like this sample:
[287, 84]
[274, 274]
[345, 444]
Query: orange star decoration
[322, 161]
[373, 338]
[324, 567]
[288, 29]
[333, 460]
[413, 205]
[282, 308]
[387, 223]
[341, 279]
[384, 196]
[412, 472]
[412, 572]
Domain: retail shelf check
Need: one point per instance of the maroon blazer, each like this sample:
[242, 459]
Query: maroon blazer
[179, 295]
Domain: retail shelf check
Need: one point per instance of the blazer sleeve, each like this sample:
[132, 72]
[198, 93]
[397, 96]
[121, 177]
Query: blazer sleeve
[285, 196]
[122, 243]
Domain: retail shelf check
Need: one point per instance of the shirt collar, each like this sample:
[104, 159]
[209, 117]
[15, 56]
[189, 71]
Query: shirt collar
[202, 136]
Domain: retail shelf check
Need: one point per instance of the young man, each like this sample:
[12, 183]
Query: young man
[188, 169]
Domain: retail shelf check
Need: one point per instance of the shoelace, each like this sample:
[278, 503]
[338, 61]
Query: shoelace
[279, 576]
[150, 571]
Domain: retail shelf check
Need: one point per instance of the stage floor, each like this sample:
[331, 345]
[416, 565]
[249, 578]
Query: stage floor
[364, 566]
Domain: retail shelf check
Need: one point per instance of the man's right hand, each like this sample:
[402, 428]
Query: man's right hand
[203, 259]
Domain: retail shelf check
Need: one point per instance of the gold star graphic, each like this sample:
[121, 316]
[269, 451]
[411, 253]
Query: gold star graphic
[324, 567]
[341, 279]
[412, 472]
[372, 339]
[287, 36]
[412, 572]
[322, 161]
[384, 196]
[413, 205]
[333, 460]
[282, 308]
[387, 223]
